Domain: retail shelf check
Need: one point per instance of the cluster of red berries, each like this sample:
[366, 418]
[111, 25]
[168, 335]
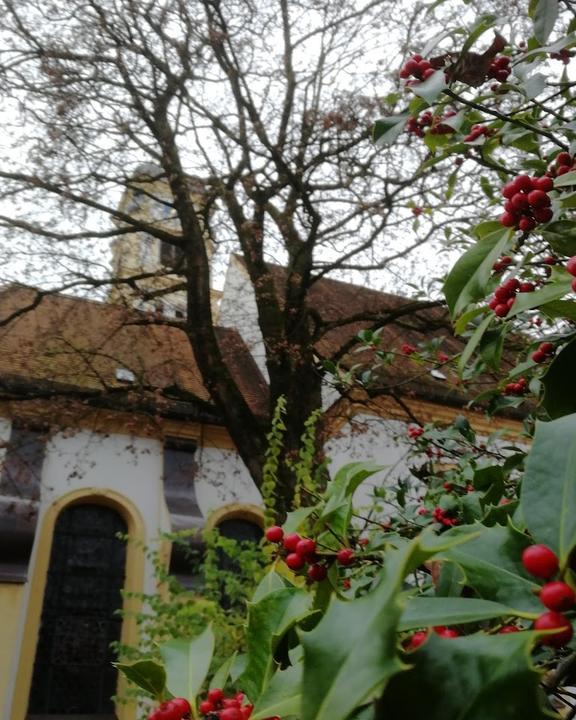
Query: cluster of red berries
[563, 163]
[505, 295]
[564, 55]
[419, 637]
[527, 202]
[499, 68]
[516, 388]
[557, 596]
[571, 267]
[416, 67]
[300, 552]
[502, 263]
[414, 431]
[218, 707]
[477, 131]
[437, 125]
[442, 517]
[175, 709]
[545, 352]
[407, 349]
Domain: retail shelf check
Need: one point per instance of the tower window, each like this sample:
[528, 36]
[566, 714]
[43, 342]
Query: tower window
[170, 255]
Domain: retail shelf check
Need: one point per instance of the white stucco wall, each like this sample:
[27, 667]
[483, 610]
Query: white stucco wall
[372, 439]
[222, 478]
[238, 310]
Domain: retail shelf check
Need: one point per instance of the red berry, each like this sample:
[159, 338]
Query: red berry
[511, 285]
[546, 347]
[167, 711]
[573, 285]
[274, 534]
[542, 214]
[182, 705]
[562, 170]
[305, 547]
[246, 711]
[540, 561]
[520, 201]
[416, 640]
[557, 596]
[206, 707]
[428, 73]
[407, 349]
[526, 223]
[509, 190]
[290, 542]
[508, 220]
[523, 183]
[505, 629]
[215, 696]
[410, 66]
[526, 287]
[446, 632]
[571, 265]
[538, 198]
[554, 621]
[549, 260]
[416, 211]
[345, 556]
[544, 183]
[501, 310]
[317, 573]
[501, 293]
[295, 561]
[231, 713]
[231, 702]
[563, 158]
[539, 357]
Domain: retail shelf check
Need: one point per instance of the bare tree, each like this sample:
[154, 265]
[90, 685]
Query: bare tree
[266, 108]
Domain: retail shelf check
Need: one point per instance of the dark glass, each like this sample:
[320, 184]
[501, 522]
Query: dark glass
[73, 674]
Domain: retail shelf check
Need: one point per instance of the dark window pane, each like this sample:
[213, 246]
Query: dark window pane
[22, 466]
[72, 670]
[170, 255]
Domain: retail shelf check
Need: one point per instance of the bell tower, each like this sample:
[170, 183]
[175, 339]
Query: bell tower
[148, 198]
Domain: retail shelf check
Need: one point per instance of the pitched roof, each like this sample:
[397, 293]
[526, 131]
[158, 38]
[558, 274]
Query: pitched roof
[335, 301]
[82, 344]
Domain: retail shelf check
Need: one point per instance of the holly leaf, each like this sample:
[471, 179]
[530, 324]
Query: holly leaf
[548, 495]
[559, 396]
[549, 293]
[544, 13]
[493, 567]
[352, 653]
[467, 281]
[268, 621]
[147, 674]
[282, 697]
[386, 130]
[561, 236]
[470, 678]
[187, 663]
[431, 88]
[431, 611]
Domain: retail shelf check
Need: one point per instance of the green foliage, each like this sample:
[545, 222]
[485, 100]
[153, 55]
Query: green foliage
[273, 455]
[174, 614]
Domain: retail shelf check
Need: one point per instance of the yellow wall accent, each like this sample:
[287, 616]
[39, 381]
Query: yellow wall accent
[133, 583]
[11, 597]
[388, 409]
[235, 511]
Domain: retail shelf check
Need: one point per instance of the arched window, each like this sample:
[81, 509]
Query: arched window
[73, 675]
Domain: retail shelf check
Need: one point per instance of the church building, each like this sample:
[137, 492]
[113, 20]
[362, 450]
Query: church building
[91, 446]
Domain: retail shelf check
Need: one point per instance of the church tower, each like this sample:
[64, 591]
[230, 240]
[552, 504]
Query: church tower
[148, 198]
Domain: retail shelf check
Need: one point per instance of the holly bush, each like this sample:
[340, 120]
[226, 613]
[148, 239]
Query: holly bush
[460, 604]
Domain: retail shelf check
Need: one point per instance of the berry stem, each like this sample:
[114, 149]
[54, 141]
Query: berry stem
[507, 118]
